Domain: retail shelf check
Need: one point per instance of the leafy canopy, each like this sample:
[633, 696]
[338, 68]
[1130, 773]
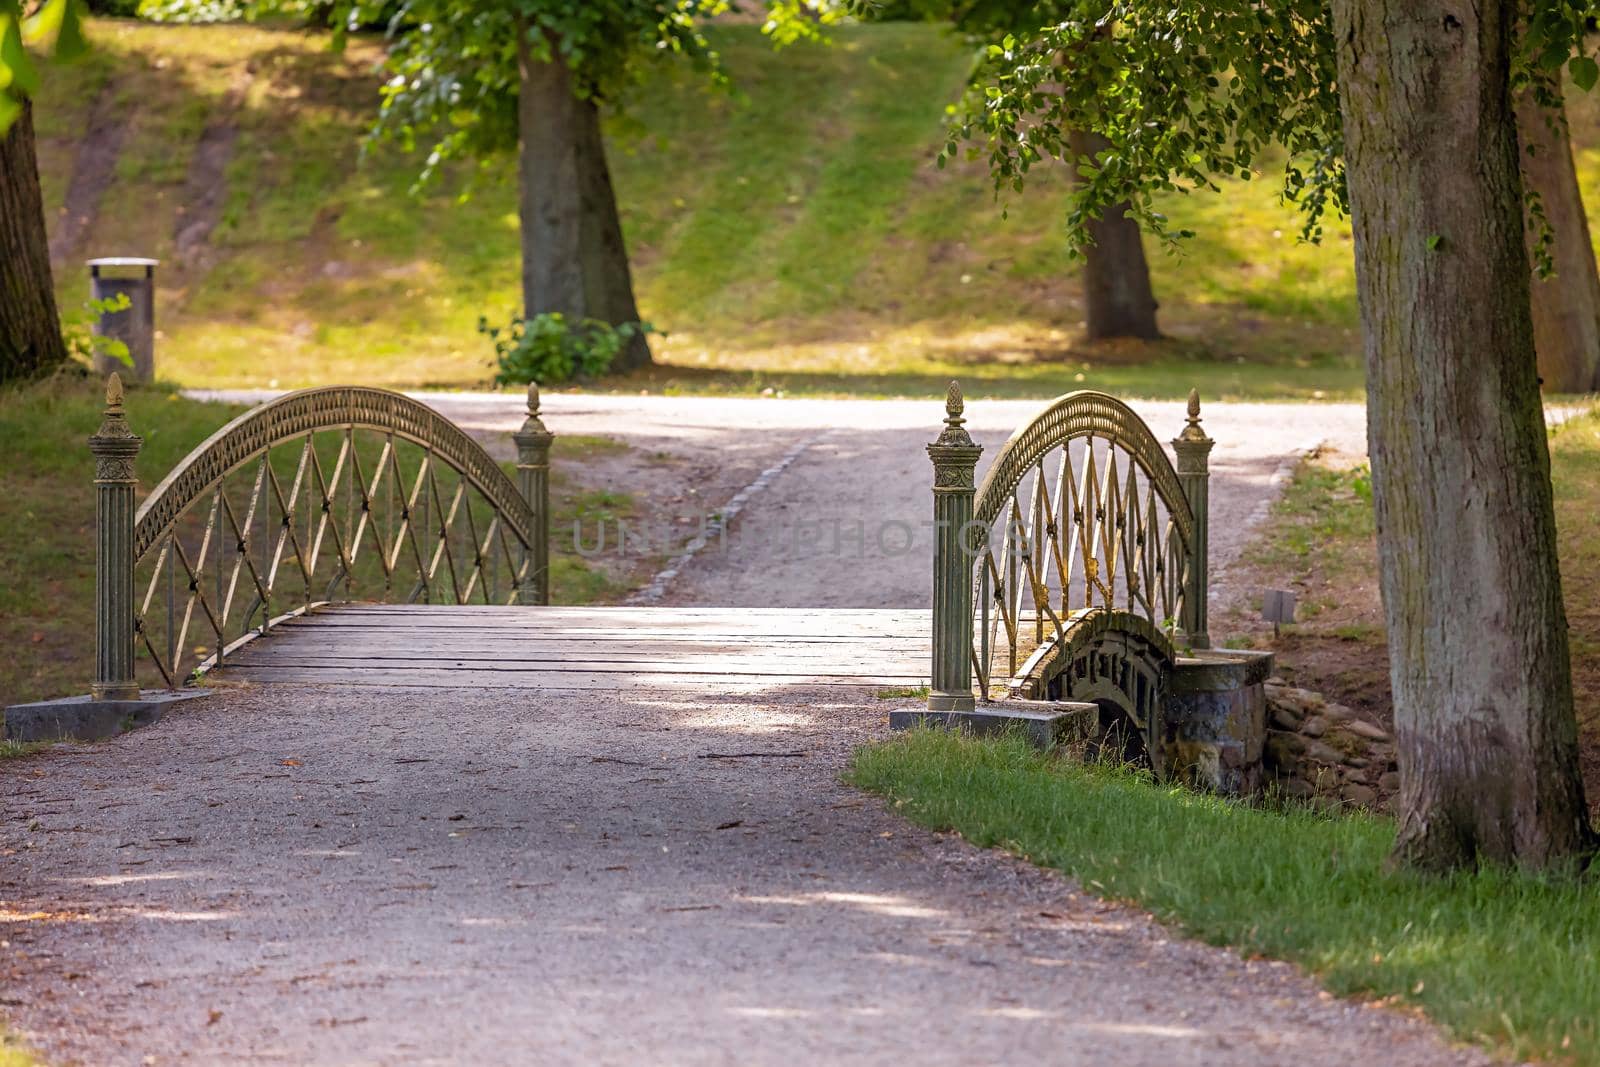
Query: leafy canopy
[55, 25]
[1188, 93]
[453, 64]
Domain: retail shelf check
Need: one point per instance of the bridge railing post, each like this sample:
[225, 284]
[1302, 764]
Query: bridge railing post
[955, 460]
[533, 478]
[114, 446]
[1193, 449]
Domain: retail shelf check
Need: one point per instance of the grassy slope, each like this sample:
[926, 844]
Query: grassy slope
[47, 571]
[1496, 958]
[793, 235]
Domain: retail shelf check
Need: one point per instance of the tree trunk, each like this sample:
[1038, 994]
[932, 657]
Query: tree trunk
[1461, 471]
[30, 328]
[1566, 306]
[552, 270]
[607, 279]
[1116, 278]
[574, 260]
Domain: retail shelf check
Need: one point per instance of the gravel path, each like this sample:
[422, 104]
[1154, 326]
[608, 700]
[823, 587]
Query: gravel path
[302, 875]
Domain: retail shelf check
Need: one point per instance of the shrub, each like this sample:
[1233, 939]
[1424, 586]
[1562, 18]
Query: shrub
[549, 348]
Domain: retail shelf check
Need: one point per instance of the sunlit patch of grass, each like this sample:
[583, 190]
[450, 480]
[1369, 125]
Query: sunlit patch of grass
[16, 750]
[1575, 474]
[13, 1053]
[1498, 958]
[904, 692]
[793, 234]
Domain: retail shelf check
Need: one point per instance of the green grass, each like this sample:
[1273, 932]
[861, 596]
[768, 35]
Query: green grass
[15, 1054]
[1498, 958]
[791, 235]
[47, 523]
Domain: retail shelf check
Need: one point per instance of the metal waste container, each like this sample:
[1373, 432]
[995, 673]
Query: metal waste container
[135, 325]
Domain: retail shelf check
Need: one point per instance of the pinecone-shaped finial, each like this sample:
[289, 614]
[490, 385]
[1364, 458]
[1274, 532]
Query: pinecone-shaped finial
[1192, 431]
[533, 399]
[114, 393]
[954, 405]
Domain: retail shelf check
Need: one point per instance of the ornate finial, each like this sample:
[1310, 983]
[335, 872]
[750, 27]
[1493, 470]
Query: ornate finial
[954, 405]
[533, 399]
[953, 434]
[114, 443]
[1192, 434]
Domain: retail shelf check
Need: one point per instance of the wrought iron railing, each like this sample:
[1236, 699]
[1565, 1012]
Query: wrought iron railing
[322, 495]
[1081, 512]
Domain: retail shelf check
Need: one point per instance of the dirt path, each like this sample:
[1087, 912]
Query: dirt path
[94, 167]
[301, 875]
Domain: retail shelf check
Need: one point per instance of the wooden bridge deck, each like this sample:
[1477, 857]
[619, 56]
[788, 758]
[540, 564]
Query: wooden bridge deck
[591, 648]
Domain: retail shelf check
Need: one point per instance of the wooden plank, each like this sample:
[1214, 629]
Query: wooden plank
[793, 625]
[604, 655]
[588, 648]
[708, 667]
[548, 680]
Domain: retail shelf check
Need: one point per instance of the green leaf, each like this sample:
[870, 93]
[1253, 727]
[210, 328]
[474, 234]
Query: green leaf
[1585, 72]
[1434, 240]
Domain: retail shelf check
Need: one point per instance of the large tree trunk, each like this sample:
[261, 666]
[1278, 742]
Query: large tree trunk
[573, 257]
[1116, 278]
[607, 279]
[30, 328]
[1566, 306]
[1461, 472]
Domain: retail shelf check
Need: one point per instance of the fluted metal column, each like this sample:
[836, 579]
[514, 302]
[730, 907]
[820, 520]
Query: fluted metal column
[955, 458]
[114, 446]
[533, 478]
[1193, 449]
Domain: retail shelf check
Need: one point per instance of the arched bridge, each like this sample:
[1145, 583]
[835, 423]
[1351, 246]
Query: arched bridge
[355, 536]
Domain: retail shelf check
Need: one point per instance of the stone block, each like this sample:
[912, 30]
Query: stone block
[1045, 723]
[87, 719]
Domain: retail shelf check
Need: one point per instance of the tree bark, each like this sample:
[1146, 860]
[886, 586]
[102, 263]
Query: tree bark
[574, 260]
[1116, 277]
[552, 270]
[607, 279]
[1484, 718]
[30, 328]
[1566, 306]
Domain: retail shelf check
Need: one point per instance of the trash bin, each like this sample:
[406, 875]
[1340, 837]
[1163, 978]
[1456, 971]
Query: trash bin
[135, 325]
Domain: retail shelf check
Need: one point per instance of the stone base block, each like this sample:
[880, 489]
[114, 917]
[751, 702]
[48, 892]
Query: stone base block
[1045, 723]
[1216, 721]
[87, 719]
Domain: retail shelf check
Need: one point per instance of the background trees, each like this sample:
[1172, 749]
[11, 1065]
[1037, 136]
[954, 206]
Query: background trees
[1182, 93]
[1118, 298]
[480, 79]
[30, 328]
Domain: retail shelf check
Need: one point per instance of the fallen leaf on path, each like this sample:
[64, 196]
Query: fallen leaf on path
[731, 825]
[291, 762]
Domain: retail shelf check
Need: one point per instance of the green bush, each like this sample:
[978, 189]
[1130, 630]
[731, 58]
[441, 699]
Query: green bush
[547, 348]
